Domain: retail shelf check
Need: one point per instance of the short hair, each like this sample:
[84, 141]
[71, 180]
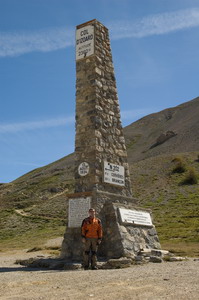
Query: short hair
[91, 209]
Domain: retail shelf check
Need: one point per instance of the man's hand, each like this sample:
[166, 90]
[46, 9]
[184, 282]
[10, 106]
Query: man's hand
[83, 240]
[99, 241]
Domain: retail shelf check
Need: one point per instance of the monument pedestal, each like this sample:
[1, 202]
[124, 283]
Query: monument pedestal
[125, 238]
[127, 228]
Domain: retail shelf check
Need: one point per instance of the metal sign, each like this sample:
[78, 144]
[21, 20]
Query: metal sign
[114, 174]
[84, 42]
[83, 169]
[136, 217]
[78, 210]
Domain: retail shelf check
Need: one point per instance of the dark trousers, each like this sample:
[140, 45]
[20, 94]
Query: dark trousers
[90, 247]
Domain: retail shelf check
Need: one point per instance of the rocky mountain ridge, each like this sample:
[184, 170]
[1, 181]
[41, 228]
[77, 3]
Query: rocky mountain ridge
[173, 130]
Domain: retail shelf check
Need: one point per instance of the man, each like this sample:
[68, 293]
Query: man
[91, 237]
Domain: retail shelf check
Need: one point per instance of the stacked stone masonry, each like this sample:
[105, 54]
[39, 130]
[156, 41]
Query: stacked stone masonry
[99, 133]
[99, 139]
[125, 239]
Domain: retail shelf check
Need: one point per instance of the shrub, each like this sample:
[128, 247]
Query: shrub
[180, 166]
[191, 177]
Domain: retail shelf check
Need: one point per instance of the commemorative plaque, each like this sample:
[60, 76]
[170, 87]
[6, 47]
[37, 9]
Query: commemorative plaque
[84, 42]
[83, 169]
[77, 211]
[135, 217]
[114, 174]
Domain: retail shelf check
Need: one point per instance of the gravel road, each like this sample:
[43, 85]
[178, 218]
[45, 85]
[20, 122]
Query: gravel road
[152, 281]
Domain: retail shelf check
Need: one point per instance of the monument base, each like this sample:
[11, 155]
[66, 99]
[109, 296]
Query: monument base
[126, 239]
[124, 235]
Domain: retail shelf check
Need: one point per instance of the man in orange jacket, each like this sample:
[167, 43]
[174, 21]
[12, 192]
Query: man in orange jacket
[91, 237]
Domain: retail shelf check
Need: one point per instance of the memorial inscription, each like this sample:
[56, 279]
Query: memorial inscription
[83, 169]
[84, 42]
[78, 210]
[135, 217]
[114, 174]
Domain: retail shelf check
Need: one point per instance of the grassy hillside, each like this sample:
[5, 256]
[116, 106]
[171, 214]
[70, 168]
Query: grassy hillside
[174, 202]
[33, 207]
[30, 216]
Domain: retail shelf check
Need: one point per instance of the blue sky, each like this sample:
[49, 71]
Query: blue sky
[155, 52]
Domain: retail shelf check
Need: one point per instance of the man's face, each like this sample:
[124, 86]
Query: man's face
[91, 213]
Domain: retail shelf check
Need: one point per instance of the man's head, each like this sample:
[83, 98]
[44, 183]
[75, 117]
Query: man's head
[91, 212]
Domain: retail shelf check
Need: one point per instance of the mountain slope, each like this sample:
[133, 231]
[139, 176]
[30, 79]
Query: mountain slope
[172, 130]
[33, 207]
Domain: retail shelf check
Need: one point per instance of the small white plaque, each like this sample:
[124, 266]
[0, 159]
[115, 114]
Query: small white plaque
[83, 169]
[77, 211]
[114, 174]
[84, 42]
[136, 217]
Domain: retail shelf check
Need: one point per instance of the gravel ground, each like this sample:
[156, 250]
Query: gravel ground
[152, 281]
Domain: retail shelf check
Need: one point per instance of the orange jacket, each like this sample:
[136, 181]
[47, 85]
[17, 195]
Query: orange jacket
[91, 228]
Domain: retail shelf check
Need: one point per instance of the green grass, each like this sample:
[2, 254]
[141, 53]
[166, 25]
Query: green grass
[181, 248]
[35, 237]
[177, 219]
[19, 232]
[175, 207]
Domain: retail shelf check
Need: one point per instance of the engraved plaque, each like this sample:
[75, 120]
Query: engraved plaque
[114, 174]
[83, 169]
[136, 217]
[78, 210]
[84, 42]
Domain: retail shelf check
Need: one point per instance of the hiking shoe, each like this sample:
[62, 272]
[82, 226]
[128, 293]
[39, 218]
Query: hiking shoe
[94, 268]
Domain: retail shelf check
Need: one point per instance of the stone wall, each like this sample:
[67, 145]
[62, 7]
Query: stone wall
[124, 240]
[99, 133]
[72, 247]
[119, 240]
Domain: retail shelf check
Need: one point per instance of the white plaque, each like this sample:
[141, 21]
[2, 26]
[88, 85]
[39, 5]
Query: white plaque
[136, 217]
[78, 210]
[114, 174]
[83, 169]
[84, 42]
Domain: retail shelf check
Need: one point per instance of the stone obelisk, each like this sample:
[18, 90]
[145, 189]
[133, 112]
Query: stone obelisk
[102, 178]
[99, 133]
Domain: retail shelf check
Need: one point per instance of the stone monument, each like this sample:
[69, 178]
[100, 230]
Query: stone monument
[102, 178]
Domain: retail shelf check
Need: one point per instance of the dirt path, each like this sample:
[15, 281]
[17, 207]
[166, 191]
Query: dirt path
[176, 280]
